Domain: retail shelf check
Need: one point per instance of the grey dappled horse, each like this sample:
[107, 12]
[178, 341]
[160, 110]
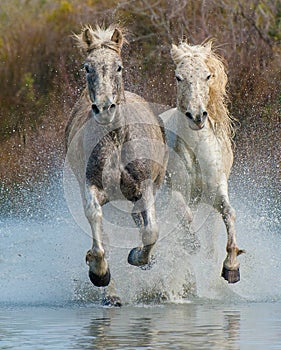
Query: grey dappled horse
[121, 152]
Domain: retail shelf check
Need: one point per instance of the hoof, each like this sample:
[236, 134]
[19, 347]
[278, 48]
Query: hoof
[232, 276]
[111, 300]
[135, 257]
[100, 281]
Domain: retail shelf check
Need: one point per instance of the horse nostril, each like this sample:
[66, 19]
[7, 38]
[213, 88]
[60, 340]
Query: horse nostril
[205, 114]
[189, 115]
[112, 107]
[95, 108]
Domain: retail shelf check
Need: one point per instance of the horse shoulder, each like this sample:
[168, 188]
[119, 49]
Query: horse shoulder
[143, 121]
[131, 97]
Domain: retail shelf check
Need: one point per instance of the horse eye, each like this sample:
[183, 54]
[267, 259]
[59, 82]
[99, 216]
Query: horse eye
[208, 77]
[119, 68]
[179, 78]
[87, 67]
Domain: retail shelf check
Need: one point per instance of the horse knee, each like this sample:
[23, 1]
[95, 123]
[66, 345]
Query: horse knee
[93, 213]
[232, 213]
[225, 209]
[229, 214]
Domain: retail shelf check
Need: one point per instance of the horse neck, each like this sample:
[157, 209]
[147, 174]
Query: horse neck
[117, 129]
[205, 144]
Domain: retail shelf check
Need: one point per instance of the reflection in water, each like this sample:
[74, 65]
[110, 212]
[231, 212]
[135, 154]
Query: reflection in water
[116, 329]
[232, 328]
[187, 326]
[98, 330]
[192, 326]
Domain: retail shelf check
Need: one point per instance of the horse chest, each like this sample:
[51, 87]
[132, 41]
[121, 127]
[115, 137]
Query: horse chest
[202, 157]
[103, 167]
[110, 170]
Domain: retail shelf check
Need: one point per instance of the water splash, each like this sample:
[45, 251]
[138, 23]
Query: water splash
[42, 262]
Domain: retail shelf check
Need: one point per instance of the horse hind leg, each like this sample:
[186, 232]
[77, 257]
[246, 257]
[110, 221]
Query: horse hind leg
[231, 266]
[190, 241]
[145, 218]
[99, 272]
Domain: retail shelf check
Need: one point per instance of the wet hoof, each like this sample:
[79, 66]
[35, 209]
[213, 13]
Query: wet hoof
[136, 258]
[111, 301]
[100, 281]
[232, 276]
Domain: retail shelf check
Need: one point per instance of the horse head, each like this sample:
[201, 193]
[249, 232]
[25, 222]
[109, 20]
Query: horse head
[103, 67]
[193, 84]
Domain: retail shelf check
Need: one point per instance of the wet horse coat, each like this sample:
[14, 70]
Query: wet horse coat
[203, 137]
[116, 148]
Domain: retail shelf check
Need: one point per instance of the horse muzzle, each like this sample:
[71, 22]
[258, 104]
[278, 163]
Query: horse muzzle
[197, 122]
[104, 115]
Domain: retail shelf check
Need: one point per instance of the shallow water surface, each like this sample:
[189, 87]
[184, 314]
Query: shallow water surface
[47, 301]
[195, 325]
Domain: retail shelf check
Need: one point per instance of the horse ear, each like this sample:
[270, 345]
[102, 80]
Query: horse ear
[87, 37]
[176, 54]
[117, 37]
[208, 45]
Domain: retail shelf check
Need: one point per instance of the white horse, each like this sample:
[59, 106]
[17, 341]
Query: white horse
[203, 138]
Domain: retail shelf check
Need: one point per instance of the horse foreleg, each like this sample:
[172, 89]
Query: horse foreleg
[184, 213]
[145, 219]
[99, 272]
[230, 270]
